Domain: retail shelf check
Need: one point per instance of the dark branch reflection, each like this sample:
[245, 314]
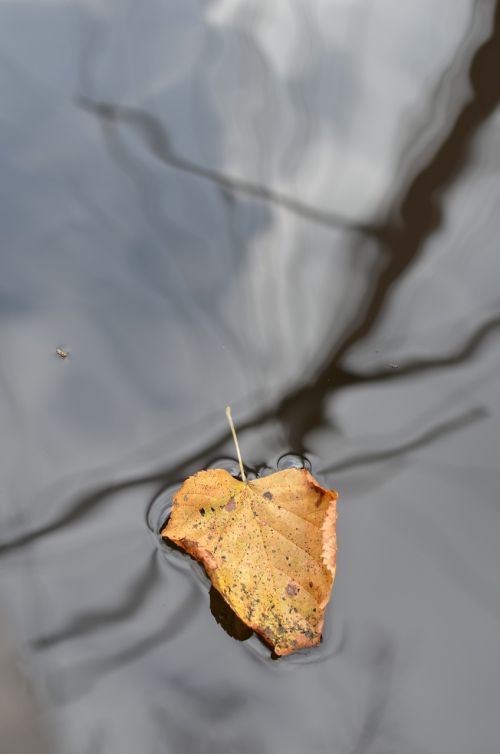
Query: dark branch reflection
[84, 674]
[426, 438]
[416, 366]
[414, 216]
[156, 137]
[137, 594]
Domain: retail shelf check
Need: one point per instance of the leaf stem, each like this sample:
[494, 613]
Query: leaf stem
[233, 430]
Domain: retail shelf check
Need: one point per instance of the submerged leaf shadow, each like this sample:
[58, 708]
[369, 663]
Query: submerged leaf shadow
[224, 615]
[227, 618]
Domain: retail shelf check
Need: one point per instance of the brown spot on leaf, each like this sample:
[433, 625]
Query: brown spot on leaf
[231, 505]
[268, 495]
[202, 511]
[292, 589]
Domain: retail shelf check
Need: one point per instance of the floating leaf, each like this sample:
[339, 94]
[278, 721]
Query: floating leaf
[268, 546]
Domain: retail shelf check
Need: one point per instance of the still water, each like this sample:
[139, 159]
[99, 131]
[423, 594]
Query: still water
[292, 208]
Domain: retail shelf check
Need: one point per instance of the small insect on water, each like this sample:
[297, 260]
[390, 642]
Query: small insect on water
[62, 353]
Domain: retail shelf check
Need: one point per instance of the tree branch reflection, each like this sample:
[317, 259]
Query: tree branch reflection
[155, 135]
[426, 438]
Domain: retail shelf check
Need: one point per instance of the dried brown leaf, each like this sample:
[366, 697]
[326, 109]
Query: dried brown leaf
[268, 546]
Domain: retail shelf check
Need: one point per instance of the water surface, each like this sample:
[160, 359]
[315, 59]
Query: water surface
[293, 209]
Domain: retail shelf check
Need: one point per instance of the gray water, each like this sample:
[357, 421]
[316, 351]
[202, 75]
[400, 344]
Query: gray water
[292, 208]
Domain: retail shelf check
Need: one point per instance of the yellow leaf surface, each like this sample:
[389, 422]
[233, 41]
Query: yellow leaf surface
[268, 546]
